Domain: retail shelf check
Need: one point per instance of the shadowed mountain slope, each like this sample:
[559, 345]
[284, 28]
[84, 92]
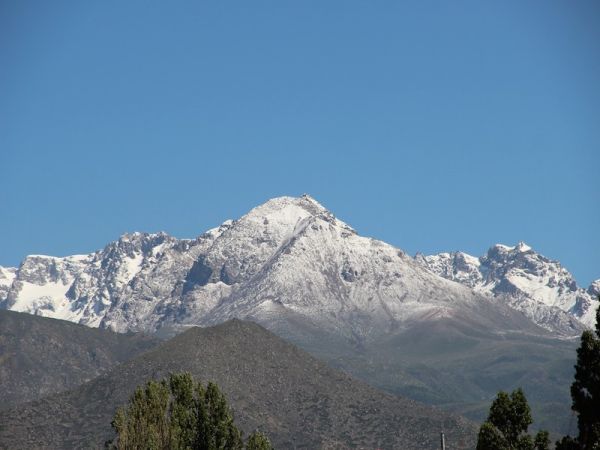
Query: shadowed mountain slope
[272, 385]
[41, 356]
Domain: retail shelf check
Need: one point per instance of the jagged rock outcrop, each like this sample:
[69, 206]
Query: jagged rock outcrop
[526, 280]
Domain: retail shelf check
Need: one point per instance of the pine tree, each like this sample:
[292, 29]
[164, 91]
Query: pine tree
[585, 393]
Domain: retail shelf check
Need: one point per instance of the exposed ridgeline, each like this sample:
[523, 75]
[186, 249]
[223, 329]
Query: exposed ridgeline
[289, 255]
[527, 281]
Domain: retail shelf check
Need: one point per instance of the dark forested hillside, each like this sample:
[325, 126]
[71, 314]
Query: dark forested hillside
[272, 385]
[40, 356]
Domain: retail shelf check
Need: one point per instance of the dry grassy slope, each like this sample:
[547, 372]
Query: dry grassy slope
[458, 363]
[461, 370]
[40, 356]
[271, 384]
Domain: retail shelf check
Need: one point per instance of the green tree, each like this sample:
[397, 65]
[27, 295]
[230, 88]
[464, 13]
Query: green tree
[177, 413]
[542, 440]
[585, 393]
[567, 443]
[258, 441]
[490, 438]
[507, 424]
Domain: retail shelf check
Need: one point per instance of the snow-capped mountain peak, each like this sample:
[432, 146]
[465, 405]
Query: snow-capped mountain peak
[284, 213]
[526, 279]
[521, 247]
[292, 258]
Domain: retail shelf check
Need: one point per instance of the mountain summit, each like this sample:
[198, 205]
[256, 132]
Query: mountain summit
[290, 257]
[431, 327]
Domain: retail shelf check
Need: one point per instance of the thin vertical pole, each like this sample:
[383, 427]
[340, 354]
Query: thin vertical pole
[443, 440]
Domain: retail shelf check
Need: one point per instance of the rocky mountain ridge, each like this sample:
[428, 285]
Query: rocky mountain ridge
[288, 256]
[526, 280]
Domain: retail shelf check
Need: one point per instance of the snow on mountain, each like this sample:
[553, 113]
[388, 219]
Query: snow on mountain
[7, 276]
[594, 289]
[286, 262]
[40, 285]
[529, 282]
[316, 266]
[84, 288]
[290, 256]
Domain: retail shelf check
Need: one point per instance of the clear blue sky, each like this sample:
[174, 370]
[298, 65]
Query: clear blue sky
[434, 126]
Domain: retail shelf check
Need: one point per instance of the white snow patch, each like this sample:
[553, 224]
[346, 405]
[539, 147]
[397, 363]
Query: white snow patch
[79, 258]
[158, 249]
[504, 247]
[535, 287]
[48, 300]
[218, 231]
[523, 247]
[471, 259]
[133, 267]
[7, 275]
